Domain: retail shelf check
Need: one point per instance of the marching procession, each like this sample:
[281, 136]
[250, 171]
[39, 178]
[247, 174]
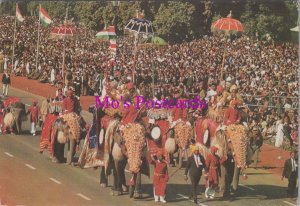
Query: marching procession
[245, 91]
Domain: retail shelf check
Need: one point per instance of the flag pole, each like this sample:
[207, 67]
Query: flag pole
[38, 42]
[14, 41]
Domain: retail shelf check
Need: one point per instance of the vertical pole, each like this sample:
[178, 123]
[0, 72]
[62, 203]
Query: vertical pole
[64, 50]
[14, 41]
[38, 42]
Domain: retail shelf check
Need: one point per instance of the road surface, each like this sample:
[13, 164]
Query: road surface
[30, 178]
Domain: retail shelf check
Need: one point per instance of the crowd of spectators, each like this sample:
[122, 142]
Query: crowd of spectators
[264, 72]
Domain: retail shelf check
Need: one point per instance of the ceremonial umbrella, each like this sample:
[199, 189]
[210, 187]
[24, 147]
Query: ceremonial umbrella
[107, 34]
[227, 24]
[137, 26]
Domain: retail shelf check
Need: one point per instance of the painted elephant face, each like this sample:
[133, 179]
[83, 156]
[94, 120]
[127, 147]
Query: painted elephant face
[134, 138]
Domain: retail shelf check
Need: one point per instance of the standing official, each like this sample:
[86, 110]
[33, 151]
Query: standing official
[5, 83]
[290, 171]
[195, 165]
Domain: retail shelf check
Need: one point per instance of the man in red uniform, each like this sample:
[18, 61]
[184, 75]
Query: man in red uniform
[34, 116]
[232, 114]
[212, 165]
[70, 103]
[160, 177]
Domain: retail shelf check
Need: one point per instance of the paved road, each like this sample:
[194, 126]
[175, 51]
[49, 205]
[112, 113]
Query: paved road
[29, 178]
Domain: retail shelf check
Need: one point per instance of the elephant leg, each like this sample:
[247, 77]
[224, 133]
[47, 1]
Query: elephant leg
[180, 158]
[71, 151]
[58, 152]
[223, 177]
[120, 168]
[138, 186]
[172, 162]
[132, 186]
[236, 178]
[103, 178]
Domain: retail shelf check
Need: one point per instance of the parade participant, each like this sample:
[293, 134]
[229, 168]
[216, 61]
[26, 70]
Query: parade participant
[195, 165]
[232, 114]
[5, 82]
[160, 177]
[290, 171]
[45, 108]
[227, 171]
[34, 111]
[212, 167]
[70, 103]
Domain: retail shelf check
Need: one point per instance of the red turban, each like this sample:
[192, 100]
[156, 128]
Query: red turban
[130, 85]
[213, 149]
[220, 89]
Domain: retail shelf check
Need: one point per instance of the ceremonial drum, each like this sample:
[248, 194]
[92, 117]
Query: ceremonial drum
[156, 133]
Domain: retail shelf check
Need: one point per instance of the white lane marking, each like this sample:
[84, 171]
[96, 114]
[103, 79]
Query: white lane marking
[54, 180]
[83, 196]
[30, 166]
[289, 203]
[8, 154]
[185, 197]
[250, 188]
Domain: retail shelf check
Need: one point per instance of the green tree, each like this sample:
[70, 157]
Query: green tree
[173, 21]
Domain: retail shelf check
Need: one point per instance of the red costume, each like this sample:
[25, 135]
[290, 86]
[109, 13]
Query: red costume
[180, 113]
[45, 141]
[68, 105]
[160, 177]
[130, 114]
[231, 116]
[34, 113]
[212, 163]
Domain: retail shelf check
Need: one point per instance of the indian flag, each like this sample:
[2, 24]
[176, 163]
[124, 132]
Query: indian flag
[19, 16]
[45, 18]
[113, 45]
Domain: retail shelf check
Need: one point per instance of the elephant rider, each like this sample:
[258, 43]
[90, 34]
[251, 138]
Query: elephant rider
[34, 111]
[179, 113]
[232, 114]
[234, 94]
[160, 177]
[212, 163]
[70, 103]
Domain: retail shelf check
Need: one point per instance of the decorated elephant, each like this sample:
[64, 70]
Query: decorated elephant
[15, 115]
[113, 148]
[68, 128]
[234, 140]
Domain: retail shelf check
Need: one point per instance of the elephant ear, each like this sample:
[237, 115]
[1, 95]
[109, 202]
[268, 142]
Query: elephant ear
[170, 145]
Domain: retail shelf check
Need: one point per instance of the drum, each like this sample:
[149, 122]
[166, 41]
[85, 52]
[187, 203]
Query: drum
[101, 136]
[156, 133]
[206, 136]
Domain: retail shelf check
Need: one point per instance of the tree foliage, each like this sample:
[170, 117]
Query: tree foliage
[173, 20]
